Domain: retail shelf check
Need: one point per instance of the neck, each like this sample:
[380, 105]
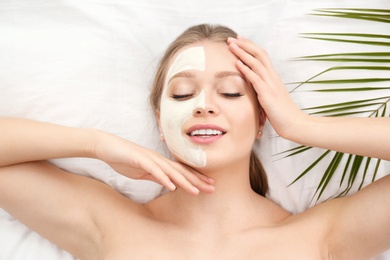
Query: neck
[232, 206]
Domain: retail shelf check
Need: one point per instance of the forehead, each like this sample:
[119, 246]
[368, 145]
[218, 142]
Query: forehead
[216, 57]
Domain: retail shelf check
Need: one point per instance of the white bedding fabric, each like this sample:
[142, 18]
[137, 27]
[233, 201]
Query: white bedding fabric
[90, 64]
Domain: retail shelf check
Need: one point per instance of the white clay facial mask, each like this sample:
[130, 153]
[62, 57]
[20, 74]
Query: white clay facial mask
[174, 112]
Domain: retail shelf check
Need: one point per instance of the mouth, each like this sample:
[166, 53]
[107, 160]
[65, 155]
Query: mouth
[205, 133]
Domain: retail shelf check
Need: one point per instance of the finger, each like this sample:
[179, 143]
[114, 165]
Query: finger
[164, 171]
[204, 178]
[192, 178]
[270, 79]
[255, 50]
[155, 170]
[257, 58]
[184, 179]
[175, 175]
[248, 59]
[186, 168]
[172, 174]
[198, 180]
[256, 81]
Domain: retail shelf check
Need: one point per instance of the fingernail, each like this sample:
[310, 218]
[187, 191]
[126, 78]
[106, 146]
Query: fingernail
[195, 190]
[231, 39]
[172, 186]
[210, 180]
[234, 45]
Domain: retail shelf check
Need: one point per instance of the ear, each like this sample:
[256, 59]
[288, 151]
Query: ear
[159, 126]
[259, 133]
[262, 119]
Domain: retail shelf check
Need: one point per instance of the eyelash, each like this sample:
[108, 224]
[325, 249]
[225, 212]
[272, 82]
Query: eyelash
[181, 96]
[186, 96]
[231, 95]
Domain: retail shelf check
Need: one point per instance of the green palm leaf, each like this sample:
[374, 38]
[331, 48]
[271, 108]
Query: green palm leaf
[353, 106]
[319, 159]
[329, 172]
[338, 68]
[350, 165]
[374, 15]
[350, 57]
[358, 38]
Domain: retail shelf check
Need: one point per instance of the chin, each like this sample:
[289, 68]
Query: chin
[213, 163]
[189, 163]
[211, 166]
[197, 167]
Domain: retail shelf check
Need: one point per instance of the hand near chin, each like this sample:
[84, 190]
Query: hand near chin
[137, 162]
[254, 63]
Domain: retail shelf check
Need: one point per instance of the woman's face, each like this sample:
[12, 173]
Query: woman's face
[209, 113]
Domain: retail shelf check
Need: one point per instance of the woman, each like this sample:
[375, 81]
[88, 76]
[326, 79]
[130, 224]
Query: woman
[209, 115]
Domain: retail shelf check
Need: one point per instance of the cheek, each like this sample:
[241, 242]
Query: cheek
[172, 118]
[246, 118]
[173, 115]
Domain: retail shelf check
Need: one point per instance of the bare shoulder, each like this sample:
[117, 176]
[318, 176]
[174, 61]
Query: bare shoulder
[361, 229]
[311, 230]
[352, 227]
[73, 211]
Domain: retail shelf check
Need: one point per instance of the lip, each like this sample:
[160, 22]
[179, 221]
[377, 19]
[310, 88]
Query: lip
[205, 140]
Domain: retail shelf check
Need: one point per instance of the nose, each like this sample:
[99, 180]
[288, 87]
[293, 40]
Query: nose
[208, 110]
[209, 106]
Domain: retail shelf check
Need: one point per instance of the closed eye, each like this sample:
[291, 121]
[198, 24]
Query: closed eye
[181, 97]
[232, 95]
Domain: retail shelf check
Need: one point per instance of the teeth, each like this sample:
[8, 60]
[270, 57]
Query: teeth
[205, 132]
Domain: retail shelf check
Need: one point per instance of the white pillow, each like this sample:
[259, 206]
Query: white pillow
[91, 63]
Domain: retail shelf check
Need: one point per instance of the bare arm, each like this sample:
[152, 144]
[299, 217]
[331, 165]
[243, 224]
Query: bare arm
[57, 205]
[362, 136]
[361, 226]
[76, 213]
[23, 140]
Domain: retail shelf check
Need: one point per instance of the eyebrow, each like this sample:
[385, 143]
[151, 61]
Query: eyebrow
[218, 75]
[224, 74]
[183, 74]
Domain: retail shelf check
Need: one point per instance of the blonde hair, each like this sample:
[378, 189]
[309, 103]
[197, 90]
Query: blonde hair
[213, 33]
